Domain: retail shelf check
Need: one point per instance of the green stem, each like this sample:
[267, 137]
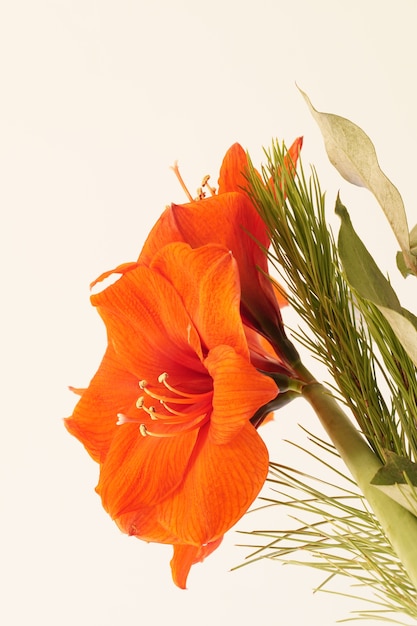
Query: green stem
[398, 524]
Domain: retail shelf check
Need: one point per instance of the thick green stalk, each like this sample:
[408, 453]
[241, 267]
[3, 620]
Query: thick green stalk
[399, 526]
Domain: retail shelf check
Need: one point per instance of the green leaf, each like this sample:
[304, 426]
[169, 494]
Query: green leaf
[404, 329]
[353, 154]
[395, 469]
[402, 266]
[398, 480]
[366, 278]
[361, 270]
[413, 240]
[410, 316]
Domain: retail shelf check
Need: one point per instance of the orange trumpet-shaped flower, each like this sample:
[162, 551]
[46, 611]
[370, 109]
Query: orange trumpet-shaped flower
[230, 219]
[167, 415]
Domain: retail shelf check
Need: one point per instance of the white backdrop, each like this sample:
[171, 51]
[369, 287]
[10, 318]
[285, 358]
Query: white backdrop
[98, 98]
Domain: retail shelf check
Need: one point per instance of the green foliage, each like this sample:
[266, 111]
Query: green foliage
[398, 480]
[332, 529]
[353, 154]
[335, 321]
[367, 279]
[344, 323]
[361, 270]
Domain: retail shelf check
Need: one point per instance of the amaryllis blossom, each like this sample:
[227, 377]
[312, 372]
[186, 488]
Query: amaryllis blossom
[229, 218]
[167, 415]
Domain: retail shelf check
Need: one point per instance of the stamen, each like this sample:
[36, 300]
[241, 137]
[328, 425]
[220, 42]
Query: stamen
[191, 412]
[145, 432]
[176, 171]
[139, 402]
[175, 417]
[205, 183]
[200, 191]
[170, 409]
[184, 396]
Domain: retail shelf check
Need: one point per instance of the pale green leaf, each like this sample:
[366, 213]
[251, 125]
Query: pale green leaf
[395, 470]
[402, 265]
[366, 278]
[361, 270]
[410, 316]
[404, 329]
[353, 154]
[413, 240]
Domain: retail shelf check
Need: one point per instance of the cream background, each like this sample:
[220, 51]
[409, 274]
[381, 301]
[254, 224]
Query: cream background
[97, 100]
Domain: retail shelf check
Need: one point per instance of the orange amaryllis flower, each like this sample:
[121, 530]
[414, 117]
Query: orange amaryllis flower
[167, 414]
[230, 219]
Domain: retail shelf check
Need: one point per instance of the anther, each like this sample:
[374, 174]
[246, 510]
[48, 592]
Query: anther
[205, 183]
[143, 431]
[143, 383]
[139, 402]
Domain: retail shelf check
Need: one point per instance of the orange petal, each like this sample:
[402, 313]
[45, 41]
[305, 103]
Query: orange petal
[207, 279]
[111, 391]
[165, 231]
[279, 293]
[262, 355]
[230, 220]
[77, 390]
[221, 483]
[235, 163]
[120, 269]
[186, 556]
[232, 170]
[292, 155]
[144, 524]
[148, 325]
[290, 160]
[267, 418]
[239, 390]
[141, 471]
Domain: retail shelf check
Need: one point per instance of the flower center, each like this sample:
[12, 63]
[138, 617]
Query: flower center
[177, 411]
[201, 193]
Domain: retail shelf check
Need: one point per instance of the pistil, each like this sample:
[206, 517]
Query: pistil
[201, 194]
[176, 171]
